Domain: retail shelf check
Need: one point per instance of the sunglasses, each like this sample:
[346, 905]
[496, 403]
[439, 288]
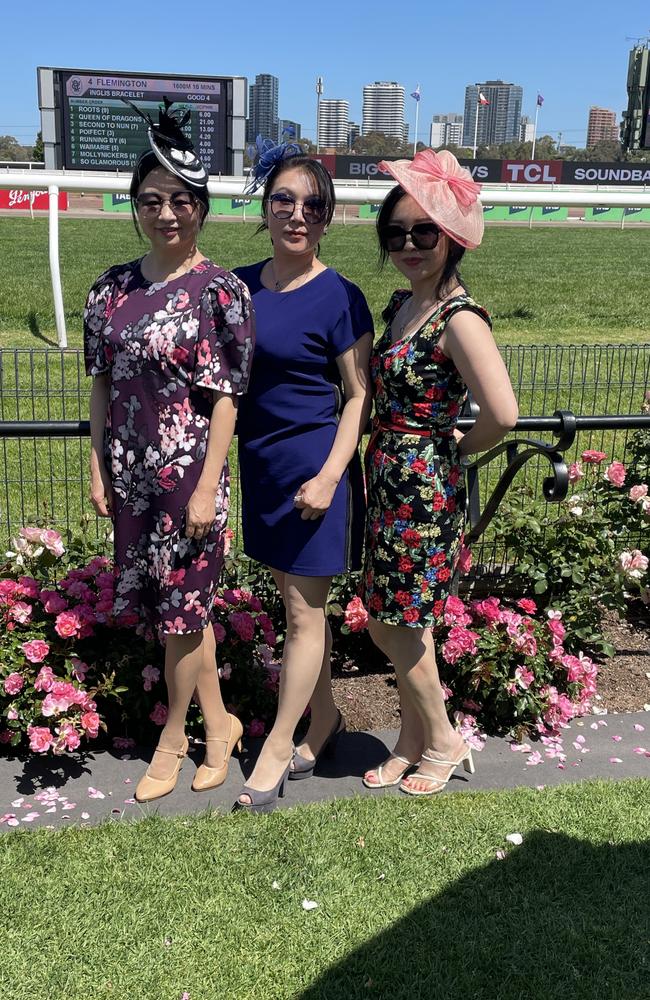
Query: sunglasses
[424, 236]
[283, 206]
[181, 203]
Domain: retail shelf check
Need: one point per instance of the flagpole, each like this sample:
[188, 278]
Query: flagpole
[532, 155]
[415, 137]
[478, 104]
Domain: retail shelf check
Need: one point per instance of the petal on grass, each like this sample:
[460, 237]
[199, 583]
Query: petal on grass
[309, 904]
[515, 838]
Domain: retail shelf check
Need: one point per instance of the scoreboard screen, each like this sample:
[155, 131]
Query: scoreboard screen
[93, 129]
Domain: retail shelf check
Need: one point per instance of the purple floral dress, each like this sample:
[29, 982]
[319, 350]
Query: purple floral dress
[166, 345]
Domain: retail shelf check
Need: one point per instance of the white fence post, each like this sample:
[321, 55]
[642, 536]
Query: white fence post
[55, 269]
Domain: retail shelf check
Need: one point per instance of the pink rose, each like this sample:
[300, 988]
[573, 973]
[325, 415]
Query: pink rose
[464, 560]
[615, 473]
[575, 472]
[36, 650]
[151, 676]
[44, 679]
[52, 602]
[219, 631]
[30, 534]
[158, 715]
[40, 738]
[638, 492]
[12, 714]
[455, 612]
[460, 642]
[68, 738]
[633, 563]
[243, 624]
[270, 638]
[68, 624]
[489, 609]
[592, 457]
[256, 728]
[21, 612]
[53, 542]
[356, 616]
[524, 677]
[29, 586]
[13, 683]
[90, 722]
[527, 605]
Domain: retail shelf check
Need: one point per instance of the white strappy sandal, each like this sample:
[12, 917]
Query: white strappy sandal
[465, 758]
[379, 772]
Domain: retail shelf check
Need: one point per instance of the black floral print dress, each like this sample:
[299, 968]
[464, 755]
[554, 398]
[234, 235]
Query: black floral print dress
[166, 347]
[416, 488]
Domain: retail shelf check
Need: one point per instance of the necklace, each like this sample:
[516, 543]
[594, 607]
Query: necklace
[280, 283]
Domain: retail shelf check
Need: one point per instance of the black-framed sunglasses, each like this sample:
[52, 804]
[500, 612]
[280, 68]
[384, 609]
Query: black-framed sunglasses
[283, 206]
[424, 236]
[181, 203]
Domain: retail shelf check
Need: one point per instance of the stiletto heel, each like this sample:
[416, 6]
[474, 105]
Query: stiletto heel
[468, 764]
[303, 767]
[263, 802]
[207, 777]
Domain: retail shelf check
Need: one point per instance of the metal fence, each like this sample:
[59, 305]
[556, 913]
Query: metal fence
[44, 396]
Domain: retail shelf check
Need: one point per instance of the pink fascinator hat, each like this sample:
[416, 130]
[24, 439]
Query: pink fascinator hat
[444, 191]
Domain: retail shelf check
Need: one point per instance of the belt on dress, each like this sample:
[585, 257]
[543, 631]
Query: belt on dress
[382, 425]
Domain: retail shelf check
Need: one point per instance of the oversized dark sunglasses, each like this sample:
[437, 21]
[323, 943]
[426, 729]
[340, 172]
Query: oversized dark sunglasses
[283, 206]
[424, 236]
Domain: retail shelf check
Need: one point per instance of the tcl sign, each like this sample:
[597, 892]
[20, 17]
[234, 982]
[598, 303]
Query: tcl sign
[531, 171]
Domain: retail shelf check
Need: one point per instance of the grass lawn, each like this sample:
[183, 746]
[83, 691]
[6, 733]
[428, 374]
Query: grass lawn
[542, 286]
[412, 902]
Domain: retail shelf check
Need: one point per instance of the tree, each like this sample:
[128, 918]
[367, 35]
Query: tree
[603, 151]
[38, 152]
[10, 149]
[379, 144]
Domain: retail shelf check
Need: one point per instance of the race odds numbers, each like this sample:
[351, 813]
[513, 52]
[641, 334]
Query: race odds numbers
[102, 133]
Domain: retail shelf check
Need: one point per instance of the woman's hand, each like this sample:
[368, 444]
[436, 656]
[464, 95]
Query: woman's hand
[200, 513]
[315, 497]
[101, 491]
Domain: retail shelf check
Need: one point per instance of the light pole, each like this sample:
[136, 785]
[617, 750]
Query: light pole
[319, 91]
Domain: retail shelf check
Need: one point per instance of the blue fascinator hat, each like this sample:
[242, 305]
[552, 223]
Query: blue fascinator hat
[267, 154]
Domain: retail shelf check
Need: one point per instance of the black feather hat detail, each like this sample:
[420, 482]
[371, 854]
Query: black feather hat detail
[170, 144]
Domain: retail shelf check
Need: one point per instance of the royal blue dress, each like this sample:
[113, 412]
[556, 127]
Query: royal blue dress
[287, 423]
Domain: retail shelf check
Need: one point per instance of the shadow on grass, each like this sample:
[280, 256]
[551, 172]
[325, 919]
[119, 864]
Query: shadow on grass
[558, 918]
[35, 329]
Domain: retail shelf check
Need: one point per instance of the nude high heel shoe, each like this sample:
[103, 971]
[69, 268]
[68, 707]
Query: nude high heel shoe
[211, 777]
[438, 784]
[149, 788]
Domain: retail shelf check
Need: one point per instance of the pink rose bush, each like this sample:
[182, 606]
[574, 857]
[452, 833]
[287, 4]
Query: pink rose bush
[506, 668]
[70, 668]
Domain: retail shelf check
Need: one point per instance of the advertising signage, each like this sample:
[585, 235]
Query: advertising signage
[91, 128]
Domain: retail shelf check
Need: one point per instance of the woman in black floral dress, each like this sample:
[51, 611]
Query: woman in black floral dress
[168, 341]
[437, 344]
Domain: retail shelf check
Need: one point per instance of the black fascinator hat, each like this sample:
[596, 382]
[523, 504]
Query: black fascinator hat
[170, 144]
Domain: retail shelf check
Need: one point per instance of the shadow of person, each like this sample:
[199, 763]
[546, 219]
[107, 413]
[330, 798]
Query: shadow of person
[558, 918]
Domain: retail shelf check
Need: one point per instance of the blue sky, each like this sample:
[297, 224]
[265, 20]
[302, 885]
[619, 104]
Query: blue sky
[574, 53]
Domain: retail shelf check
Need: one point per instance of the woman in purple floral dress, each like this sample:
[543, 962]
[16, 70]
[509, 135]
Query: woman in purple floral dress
[436, 345]
[168, 340]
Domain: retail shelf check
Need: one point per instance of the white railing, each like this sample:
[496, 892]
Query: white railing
[349, 193]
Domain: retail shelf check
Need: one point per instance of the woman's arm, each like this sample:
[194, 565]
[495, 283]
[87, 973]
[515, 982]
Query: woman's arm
[316, 494]
[201, 511]
[468, 341]
[101, 491]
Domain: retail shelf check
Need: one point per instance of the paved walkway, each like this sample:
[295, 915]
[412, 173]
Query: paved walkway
[94, 787]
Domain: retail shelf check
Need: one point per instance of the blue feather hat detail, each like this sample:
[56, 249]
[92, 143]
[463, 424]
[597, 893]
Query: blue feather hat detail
[268, 154]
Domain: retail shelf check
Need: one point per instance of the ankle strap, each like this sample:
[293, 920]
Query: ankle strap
[172, 753]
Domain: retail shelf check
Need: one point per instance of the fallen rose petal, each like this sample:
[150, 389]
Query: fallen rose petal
[594, 725]
[17, 803]
[639, 728]
[12, 821]
[540, 788]
[500, 855]
[534, 758]
[94, 793]
[7, 816]
[561, 767]
[85, 815]
[128, 781]
[128, 802]
[639, 750]
[309, 904]
[515, 838]
[617, 739]
[30, 817]
[52, 809]
[580, 739]
[615, 760]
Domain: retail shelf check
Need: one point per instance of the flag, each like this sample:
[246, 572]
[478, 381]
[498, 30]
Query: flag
[416, 93]
[540, 100]
[482, 99]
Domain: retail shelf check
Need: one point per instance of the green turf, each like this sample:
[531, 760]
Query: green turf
[542, 286]
[412, 902]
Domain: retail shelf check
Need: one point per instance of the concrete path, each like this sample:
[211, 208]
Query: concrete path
[94, 787]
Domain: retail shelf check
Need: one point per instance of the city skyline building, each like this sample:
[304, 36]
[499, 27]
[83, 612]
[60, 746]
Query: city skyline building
[285, 133]
[602, 125]
[383, 109]
[263, 108]
[333, 122]
[446, 130]
[526, 129]
[499, 113]
[354, 131]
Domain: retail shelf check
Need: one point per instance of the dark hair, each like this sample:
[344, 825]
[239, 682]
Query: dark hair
[454, 254]
[147, 162]
[318, 173]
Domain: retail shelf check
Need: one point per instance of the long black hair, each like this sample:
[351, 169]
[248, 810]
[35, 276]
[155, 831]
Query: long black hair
[450, 273]
[147, 162]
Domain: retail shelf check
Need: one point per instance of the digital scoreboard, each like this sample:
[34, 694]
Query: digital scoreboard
[86, 125]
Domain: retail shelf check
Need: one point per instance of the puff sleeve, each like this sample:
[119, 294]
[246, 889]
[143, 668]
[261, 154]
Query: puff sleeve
[96, 313]
[224, 350]
[354, 319]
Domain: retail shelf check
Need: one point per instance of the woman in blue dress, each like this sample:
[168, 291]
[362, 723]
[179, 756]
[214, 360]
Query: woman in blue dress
[301, 478]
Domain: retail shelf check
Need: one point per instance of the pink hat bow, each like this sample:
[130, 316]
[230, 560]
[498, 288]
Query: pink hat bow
[464, 189]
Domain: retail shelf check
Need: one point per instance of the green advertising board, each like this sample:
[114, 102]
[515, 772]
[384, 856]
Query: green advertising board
[116, 203]
[617, 214]
[522, 213]
[369, 211]
[235, 206]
